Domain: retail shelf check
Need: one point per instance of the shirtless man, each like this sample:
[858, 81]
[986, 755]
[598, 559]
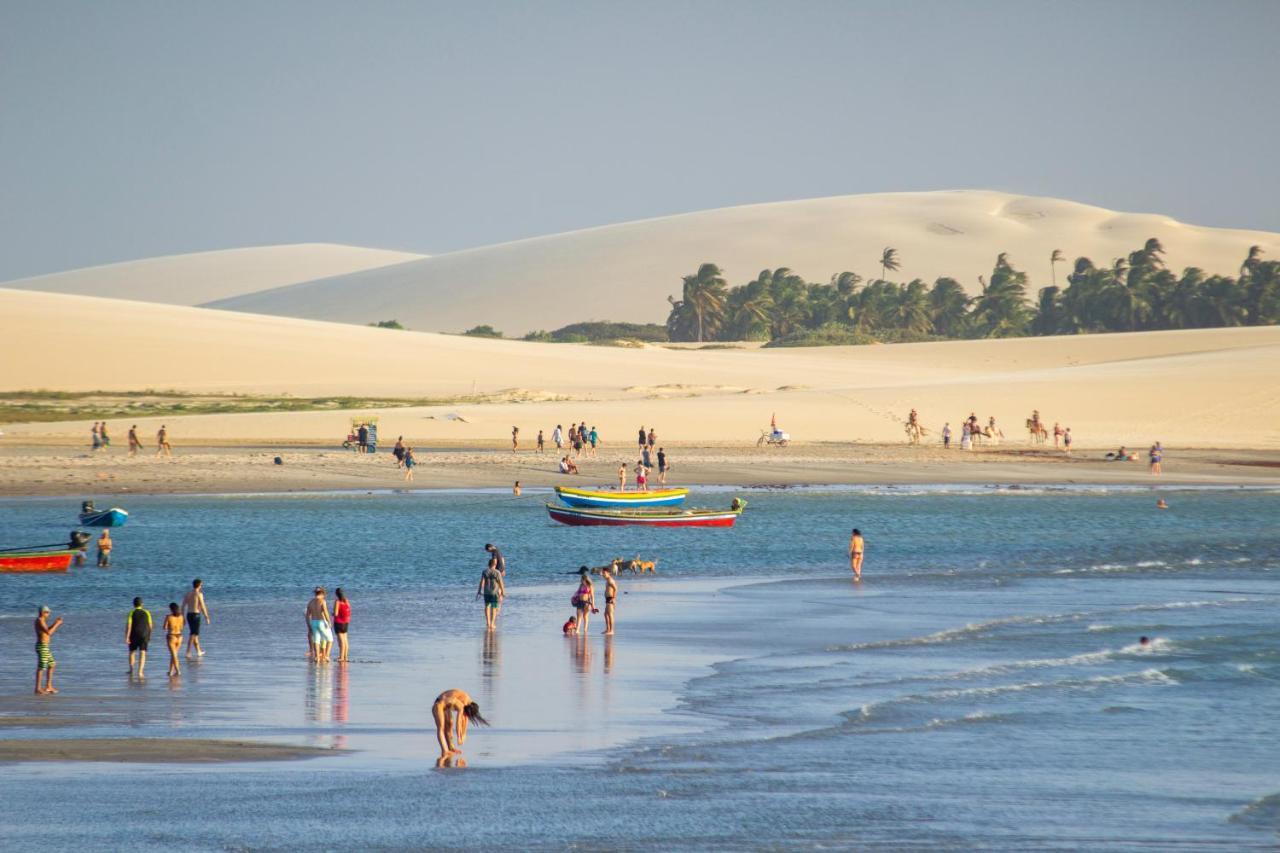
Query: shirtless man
[856, 547]
[104, 549]
[610, 596]
[318, 621]
[193, 607]
[45, 664]
[622, 477]
[451, 711]
[162, 442]
[134, 443]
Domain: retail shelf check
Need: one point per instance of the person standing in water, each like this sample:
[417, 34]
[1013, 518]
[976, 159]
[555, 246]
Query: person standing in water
[856, 547]
[45, 664]
[173, 637]
[104, 549]
[492, 589]
[137, 634]
[584, 600]
[193, 607]
[610, 597]
[318, 621]
[341, 622]
[494, 553]
[451, 711]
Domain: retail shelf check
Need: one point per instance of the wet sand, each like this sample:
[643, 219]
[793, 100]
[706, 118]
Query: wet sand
[151, 750]
[58, 469]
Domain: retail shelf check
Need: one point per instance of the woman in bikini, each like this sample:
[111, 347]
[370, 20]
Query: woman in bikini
[173, 636]
[584, 600]
[452, 711]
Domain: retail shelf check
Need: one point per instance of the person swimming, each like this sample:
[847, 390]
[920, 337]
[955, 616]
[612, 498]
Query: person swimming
[1160, 504]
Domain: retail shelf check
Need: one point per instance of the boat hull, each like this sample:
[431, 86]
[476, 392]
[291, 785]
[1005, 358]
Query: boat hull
[650, 518]
[606, 499]
[114, 517]
[36, 561]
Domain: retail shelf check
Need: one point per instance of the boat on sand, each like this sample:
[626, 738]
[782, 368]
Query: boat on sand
[612, 498]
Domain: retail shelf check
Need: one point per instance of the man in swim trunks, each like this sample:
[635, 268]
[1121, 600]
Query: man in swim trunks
[856, 547]
[610, 596]
[104, 549]
[193, 607]
[162, 442]
[493, 590]
[318, 621]
[137, 633]
[134, 442]
[662, 466]
[45, 664]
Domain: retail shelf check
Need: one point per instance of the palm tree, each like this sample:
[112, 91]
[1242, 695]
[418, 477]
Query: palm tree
[888, 261]
[1002, 307]
[1055, 259]
[704, 293]
[846, 282]
[948, 307]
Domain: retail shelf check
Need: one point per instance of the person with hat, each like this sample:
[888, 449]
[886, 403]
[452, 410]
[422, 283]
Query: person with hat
[45, 664]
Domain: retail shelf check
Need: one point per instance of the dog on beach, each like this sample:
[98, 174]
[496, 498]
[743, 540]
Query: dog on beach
[635, 566]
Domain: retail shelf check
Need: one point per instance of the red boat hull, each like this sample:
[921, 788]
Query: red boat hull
[578, 520]
[45, 561]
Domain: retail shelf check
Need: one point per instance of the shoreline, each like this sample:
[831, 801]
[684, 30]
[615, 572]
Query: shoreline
[31, 470]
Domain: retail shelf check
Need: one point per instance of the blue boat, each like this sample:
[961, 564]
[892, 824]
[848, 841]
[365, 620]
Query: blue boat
[612, 499]
[90, 517]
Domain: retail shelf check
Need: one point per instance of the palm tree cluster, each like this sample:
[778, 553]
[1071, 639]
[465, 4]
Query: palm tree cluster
[1132, 294]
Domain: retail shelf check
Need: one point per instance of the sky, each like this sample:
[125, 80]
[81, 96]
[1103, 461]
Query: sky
[130, 129]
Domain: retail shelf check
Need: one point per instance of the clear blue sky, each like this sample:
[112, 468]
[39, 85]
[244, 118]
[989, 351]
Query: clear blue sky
[129, 130]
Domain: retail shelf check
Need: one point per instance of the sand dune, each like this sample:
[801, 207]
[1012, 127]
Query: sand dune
[1211, 388]
[205, 276]
[624, 272]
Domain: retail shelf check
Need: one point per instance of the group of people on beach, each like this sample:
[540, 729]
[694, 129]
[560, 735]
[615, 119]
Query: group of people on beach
[101, 439]
[138, 627]
[324, 626]
[405, 459]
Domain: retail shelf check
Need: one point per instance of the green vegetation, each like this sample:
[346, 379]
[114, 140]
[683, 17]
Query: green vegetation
[597, 332]
[388, 324]
[483, 332]
[43, 406]
[1136, 293]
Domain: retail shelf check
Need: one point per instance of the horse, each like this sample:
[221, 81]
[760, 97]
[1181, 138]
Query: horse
[1038, 433]
[914, 432]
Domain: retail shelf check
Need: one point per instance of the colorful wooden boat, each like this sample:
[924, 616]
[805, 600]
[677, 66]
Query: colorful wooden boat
[613, 499]
[114, 517]
[647, 516]
[36, 561]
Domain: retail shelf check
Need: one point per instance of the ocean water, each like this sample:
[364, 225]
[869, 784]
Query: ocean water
[983, 687]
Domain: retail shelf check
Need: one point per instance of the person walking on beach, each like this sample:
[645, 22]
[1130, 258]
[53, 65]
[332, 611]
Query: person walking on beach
[1156, 454]
[341, 622]
[492, 589]
[137, 634]
[662, 466]
[45, 664]
[643, 438]
[1057, 434]
[102, 434]
[622, 477]
[162, 442]
[856, 547]
[946, 436]
[652, 440]
[134, 443]
[594, 438]
[97, 439]
[542, 445]
[515, 439]
[104, 549]
[642, 476]
[398, 452]
[558, 437]
[451, 711]
[173, 637]
[195, 610]
[409, 462]
[1066, 441]
[610, 596]
[584, 600]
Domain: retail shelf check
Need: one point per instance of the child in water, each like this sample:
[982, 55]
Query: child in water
[570, 628]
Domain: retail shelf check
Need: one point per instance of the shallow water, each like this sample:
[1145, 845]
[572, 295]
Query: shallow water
[983, 686]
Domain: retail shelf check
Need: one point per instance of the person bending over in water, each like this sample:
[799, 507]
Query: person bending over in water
[856, 547]
[451, 712]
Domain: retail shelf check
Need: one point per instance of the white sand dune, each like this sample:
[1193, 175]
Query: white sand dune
[1209, 388]
[624, 272]
[201, 277]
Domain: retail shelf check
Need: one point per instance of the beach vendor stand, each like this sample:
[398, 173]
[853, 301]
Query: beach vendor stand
[369, 423]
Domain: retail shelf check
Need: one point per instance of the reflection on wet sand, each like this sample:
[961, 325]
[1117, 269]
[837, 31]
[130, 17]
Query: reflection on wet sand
[448, 762]
[491, 656]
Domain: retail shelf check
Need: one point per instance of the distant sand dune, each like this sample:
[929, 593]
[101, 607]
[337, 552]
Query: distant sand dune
[626, 271]
[206, 276]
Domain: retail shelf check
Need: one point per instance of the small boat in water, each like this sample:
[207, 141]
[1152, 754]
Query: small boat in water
[611, 498]
[649, 516]
[36, 561]
[91, 517]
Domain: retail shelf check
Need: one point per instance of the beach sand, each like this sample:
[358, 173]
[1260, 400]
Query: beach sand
[150, 750]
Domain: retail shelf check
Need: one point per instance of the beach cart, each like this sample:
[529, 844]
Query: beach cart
[773, 437]
[369, 423]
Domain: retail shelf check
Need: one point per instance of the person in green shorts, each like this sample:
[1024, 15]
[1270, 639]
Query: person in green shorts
[45, 664]
[493, 590]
